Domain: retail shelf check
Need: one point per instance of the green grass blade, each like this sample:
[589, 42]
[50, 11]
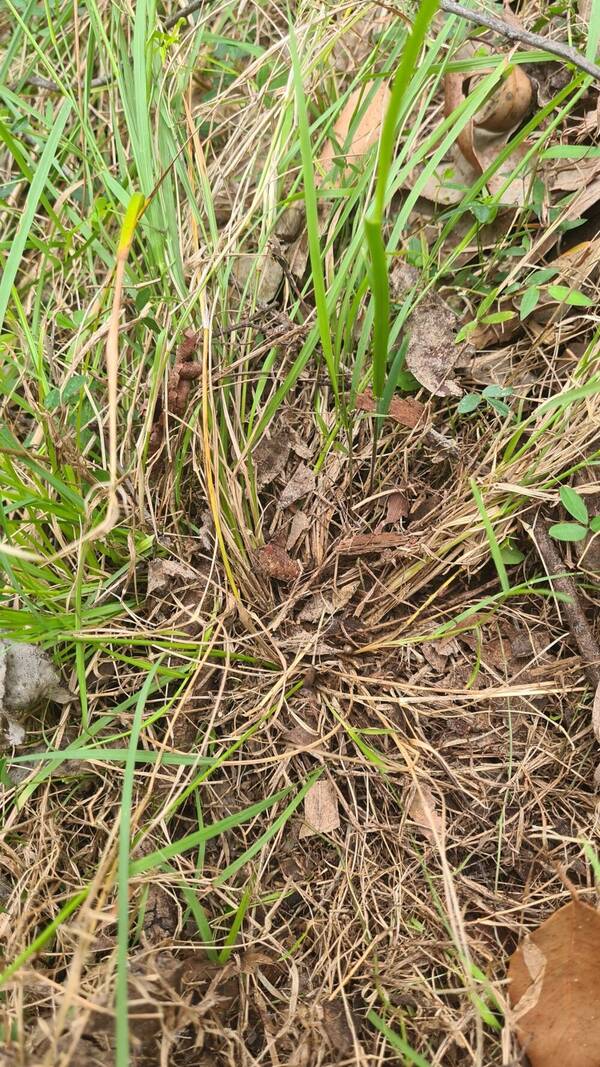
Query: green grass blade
[397, 1042]
[184, 844]
[491, 536]
[273, 829]
[374, 221]
[312, 218]
[42, 939]
[33, 198]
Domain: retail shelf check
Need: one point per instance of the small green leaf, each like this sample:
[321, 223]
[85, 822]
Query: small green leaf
[498, 405]
[540, 277]
[573, 503]
[465, 330]
[569, 296]
[529, 301]
[484, 213]
[496, 392]
[568, 531]
[511, 554]
[73, 388]
[595, 524]
[468, 403]
[52, 399]
[498, 316]
[407, 382]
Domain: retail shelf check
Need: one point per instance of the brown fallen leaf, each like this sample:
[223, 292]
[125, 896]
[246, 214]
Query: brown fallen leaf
[302, 482]
[484, 137]
[507, 105]
[163, 574]
[555, 989]
[273, 561]
[320, 810]
[335, 1026]
[431, 327]
[398, 507]
[270, 457]
[423, 811]
[405, 410]
[505, 108]
[366, 132]
[343, 145]
[261, 270]
[300, 524]
[318, 604]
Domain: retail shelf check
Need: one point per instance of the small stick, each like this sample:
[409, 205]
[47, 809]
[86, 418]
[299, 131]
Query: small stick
[46, 83]
[572, 609]
[183, 13]
[512, 33]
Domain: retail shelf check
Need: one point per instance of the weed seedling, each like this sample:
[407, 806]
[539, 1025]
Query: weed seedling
[494, 395]
[576, 506]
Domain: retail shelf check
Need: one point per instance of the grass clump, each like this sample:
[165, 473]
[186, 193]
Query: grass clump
[253, 585]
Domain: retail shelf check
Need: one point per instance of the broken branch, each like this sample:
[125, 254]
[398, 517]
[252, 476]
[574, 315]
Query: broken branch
[513, 33]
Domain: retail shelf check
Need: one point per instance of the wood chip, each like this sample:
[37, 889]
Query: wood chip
[363, 544]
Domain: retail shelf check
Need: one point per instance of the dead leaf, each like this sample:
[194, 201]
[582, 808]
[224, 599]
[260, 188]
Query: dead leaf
[366, 132]
[422, 810]
[301, 483]
[364, 136]
[289, 223]
[300, 524]
[480, 141]
[569, 175]
[507, 105]
[561, 1028]
[270, 457]
[164, 574]
[316, 606]
[397, 507]
[453, 98]
[264, 272]
[431, 327]
[336, 1027]
[320, 810]
[274, 562]
[405, 410]
[501, 113]
[437, 653]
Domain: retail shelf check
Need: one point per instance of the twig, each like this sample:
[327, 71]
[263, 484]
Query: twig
[513, 33]
[52, 86]
[183, 13]
[572, 609]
